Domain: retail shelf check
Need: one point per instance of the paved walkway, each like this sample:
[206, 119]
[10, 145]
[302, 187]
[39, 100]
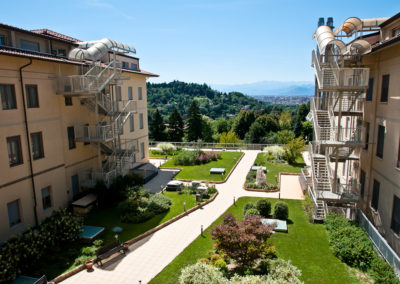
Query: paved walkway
[146, 260]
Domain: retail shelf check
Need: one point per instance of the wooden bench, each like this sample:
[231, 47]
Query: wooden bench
[108, 250]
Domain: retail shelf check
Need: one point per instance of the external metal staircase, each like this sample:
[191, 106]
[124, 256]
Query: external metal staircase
[93, 88]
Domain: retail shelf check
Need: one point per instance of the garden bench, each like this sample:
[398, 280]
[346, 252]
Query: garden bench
[217, 171]
[108, 250]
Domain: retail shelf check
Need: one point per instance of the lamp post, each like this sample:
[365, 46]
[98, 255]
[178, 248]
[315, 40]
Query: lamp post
[202, 231]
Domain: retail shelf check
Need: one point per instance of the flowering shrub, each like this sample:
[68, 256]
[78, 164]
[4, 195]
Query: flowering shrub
[17, 255]
[196, 158]
[201, 273]
[166, 148]
[275, 151]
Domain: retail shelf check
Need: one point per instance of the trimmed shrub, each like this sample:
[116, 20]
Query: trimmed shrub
[281, 211]
[252, 212]
[159, 203]
[18, 254]
[247, 206]
[186, 158]
[277, 152]
[283, 271]
[382, 272]
[264, 207]
[201, 273]
[166, 148]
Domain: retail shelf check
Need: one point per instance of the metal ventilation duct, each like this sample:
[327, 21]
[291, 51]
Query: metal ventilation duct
[325, 37]
[354, 24]
[94, 50]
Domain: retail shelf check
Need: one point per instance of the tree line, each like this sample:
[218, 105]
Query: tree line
[274, 124]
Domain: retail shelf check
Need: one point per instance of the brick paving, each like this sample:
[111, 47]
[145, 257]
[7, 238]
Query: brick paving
[147, 259]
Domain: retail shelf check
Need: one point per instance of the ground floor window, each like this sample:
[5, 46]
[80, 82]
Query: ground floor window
[396, 215]
[142, 150]
[14, 213]
[46, 197]
[375, 195]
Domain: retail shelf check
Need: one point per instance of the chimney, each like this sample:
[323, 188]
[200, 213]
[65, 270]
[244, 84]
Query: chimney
[329, 22]
[321, 22]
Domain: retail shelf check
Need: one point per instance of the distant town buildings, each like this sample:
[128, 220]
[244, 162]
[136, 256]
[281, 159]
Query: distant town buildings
[284, 100]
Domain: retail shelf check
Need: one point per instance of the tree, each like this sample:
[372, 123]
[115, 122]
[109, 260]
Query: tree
[285, 120]
[222, 125]
[303, 110]
[293, 149]
[229, 137]
[157, 126]
[284, 136]
[207, 131]
[195, 122]
[244, 241]
[175, 131]
[268, 122]
[243, 122]
[307, 130]
[256, 133]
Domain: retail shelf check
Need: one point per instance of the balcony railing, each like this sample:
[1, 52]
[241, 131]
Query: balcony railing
[94, 133]
[89, 178]
[336, 78]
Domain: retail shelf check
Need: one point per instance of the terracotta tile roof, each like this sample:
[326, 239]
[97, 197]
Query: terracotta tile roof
[55, 35]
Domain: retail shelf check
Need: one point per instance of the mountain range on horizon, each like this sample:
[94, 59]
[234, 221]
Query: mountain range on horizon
[269, 88]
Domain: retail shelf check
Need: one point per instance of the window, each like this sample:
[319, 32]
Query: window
[370, 90]
[375, 195]
[14, 151]
[366, 135]
[395, 32]
[75, 184]
[362, 183]
[381, 141]
[118, 91]
[71, 137]
[385, 88]
[125, 64]
[68, 101]
[14, 214]
[133, 66]
[398, 156]
[29, 45]
[86, 133]
[3, 40]
[396, 215]
[141, 121]
[140, 97]
[32, 100]
[131, 128]
[142, 150]
[46, 198]
[8, 97]
[37, 145]
[130, 96]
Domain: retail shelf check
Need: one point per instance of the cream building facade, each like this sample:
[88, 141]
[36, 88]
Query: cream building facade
[64, 122]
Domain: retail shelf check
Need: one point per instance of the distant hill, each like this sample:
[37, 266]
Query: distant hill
[270, 88]
[214, 104]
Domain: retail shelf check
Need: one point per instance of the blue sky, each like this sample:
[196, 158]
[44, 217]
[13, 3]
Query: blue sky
[209, 41]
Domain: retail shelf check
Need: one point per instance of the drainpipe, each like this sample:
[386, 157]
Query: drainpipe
[28, 141]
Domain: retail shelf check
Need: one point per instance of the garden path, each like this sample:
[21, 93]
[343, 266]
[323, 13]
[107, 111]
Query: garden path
[145, 261]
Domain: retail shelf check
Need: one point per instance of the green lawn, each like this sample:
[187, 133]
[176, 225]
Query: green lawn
[202, 172]
[306, 245]
[275, 168]
[108, 218]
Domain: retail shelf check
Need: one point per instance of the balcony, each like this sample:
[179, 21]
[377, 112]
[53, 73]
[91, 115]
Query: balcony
[331, 77]
[89, 178]
[94, 133]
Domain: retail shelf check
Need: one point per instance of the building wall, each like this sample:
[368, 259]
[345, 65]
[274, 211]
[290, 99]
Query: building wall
[52, 118]
[384, 170]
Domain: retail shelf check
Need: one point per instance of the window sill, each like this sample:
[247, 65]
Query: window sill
[38, 158]
[16, 165]
[16, 225]
[379, 158]
[384, 103]
[48, 209]
[396, 235]
[373, 210]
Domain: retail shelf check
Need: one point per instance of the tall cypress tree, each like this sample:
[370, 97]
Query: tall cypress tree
[195, 122]
[175, 131]
[157, 126]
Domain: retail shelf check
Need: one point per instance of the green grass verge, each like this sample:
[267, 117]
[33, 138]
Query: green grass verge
[109, 218]
[306, 245]
[202, 172]
[275, 168]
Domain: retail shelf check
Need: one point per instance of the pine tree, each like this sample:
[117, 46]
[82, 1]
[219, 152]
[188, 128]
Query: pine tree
[195, 122]
[175, 131]
[157, 126]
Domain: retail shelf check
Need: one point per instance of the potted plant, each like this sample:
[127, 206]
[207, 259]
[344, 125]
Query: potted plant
[89, 265]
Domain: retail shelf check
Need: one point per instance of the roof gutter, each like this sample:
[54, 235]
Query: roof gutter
[28, 141]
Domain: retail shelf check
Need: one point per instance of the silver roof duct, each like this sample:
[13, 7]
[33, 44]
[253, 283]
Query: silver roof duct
[354, 24]
[325, 37]
[94, 50]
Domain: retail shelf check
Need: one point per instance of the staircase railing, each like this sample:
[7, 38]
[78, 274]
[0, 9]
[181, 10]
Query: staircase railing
[94, 132]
